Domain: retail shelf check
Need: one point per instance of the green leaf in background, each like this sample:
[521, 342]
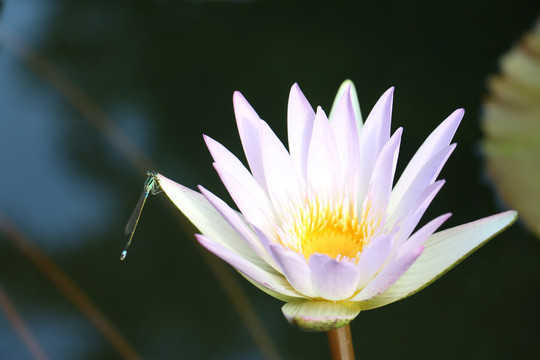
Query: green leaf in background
[511, 123]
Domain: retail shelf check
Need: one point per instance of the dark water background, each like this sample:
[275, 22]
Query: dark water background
[163, 73]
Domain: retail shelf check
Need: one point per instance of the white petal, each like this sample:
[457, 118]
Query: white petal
[333, 280]
[344, 125]
[225, 158]
[391, 272]
[438, 140]
[323, 160]
[422, 179]
[232, 165]
[423, 234]
[348, 84]
[266, 240]
[373, 137]
[238, 223]
[270, 280]
[443, 251]
[300, 117]
[382, 179]
[247, 121]
[249, 197]
[280, 173]
[225, 242]
[409, 222]
[373, 257]
[294, 268]
[205, 217]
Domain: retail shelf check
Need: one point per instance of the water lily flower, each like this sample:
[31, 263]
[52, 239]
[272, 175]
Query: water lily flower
[321, 225]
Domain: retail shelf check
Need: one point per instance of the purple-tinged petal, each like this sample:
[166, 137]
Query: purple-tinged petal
[420, 236]
[230, 163]
[373, 258]
[344, 125]
[348, 85]
[443, 251]
[374, 135]
[267, 279]
[294, 268]
[208, 220]
[265, 239]
[280, 173]
[436, 142]
[289, 263]
[239, 225]
[332, 279]
[411, 219]
[251, 200]
[323, 160]
[389, 274]
[247, 121]
[422, 179]
[382, 178]
[300, 117]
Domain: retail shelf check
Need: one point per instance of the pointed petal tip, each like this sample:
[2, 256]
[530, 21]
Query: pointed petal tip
[200, 238]
[297, 97]
[240, 100]
[207, 139]
[320, 111]
[512, 215]
[202, 189]
[347, 87]
[444, 250]
[457, 115]
[387, 97]
[212, 145]
[296, 91]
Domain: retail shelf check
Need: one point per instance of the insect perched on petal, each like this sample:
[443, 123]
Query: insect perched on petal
[321, 224]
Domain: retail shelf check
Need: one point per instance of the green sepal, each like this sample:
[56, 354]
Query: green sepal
[319, 315]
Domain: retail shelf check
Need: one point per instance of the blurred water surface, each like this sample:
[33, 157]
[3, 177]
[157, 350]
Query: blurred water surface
[92, 93]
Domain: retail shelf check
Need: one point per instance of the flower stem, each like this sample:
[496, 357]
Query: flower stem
[340, 341]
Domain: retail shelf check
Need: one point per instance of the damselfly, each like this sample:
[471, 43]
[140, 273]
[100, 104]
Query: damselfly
[151, 185]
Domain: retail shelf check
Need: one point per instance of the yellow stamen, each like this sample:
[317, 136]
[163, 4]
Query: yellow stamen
[321, 226]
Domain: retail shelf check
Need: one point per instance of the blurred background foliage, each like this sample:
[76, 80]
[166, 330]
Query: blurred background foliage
[94, 93]
[511, 123]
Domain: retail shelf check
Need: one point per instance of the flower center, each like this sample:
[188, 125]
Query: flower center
[326, 227]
